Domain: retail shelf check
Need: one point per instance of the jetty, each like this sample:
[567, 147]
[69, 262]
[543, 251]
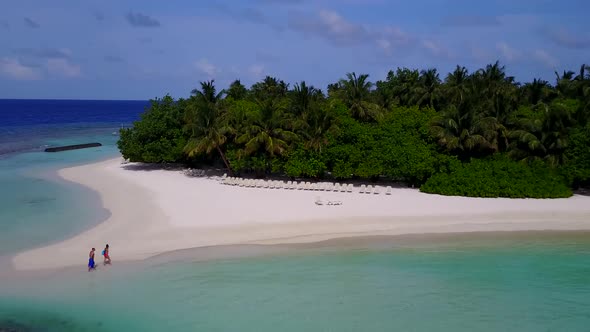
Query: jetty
[72, 147]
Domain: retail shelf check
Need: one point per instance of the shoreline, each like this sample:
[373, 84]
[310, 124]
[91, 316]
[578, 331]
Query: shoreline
[154, 212]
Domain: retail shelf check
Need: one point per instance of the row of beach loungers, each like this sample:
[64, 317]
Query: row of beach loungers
[294, 185]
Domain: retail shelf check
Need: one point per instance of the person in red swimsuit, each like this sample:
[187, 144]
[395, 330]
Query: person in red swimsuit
[105, 253]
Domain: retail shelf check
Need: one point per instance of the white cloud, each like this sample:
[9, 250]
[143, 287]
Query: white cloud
[62, 67]
[436, 49]
[257, 71]
[545, 58]
[14, 69]
[207, 68]
[507, 52]
[384, 45]
[342, 32]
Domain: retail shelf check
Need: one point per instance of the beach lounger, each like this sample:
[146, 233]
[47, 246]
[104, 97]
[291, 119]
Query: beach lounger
[343, 188]
[350, 188]
[265, 184]
[362, 189]
[377, 190]
[388, 190]
[369, 189]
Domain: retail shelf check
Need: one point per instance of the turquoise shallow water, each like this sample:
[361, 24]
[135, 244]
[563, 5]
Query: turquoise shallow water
[484, 283]
[36, 207]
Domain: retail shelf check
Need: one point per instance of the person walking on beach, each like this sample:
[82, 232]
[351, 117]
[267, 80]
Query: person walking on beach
[105, 253]
[91, 265]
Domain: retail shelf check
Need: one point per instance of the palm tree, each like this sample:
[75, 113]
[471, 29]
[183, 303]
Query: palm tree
[428, 88]
[304, 98]
[536, 91]
[268, 131]
[464, 132]
[544, 139]
[206, 121]
[404, 83]
[564, 83]
[456, 84]
[356, 92]
[237, 90]
[268, 88]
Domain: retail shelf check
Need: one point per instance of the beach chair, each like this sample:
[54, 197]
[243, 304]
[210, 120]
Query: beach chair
[369, 189]
[265, 184]
[307, 186]
[289, 184]
[224, 176]
[388, 190]
[350, 187]
[343, 188]
[362, 189]
[377, 190]
[318, 201]
[336, 187]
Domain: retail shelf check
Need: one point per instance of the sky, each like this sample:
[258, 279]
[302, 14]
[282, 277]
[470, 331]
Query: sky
[141, 49]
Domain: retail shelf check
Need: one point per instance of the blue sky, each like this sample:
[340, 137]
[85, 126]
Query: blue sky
[144, 49]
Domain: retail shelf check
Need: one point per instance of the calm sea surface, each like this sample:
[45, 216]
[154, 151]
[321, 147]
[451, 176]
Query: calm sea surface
[499, 282]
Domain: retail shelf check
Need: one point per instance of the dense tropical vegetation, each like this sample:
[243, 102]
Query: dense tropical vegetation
[474, 134]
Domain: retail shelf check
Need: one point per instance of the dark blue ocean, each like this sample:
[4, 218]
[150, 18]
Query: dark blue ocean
[27, 125]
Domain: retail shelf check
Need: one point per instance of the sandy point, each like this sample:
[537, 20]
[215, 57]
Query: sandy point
[155, 211]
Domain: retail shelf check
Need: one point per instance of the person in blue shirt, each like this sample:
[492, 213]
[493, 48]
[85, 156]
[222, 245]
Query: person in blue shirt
[91, 265]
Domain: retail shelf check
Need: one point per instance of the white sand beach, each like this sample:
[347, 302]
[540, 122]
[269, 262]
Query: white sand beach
[156, 211]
